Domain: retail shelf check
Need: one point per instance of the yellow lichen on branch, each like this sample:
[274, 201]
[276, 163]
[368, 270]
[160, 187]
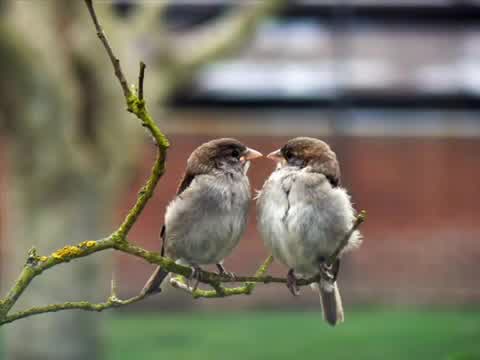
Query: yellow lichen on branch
[36, 265]
[66, 252]
[87, 243]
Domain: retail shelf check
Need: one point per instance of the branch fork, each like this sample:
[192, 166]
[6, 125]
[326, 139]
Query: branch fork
[36, 264]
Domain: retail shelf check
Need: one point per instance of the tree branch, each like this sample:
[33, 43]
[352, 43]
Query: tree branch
[231, 32]
[361, 217]
[112, 301]
[137, 106]
[220, 291]
[103, 38]
[219, 40]
[35, 265]
[77, 305]
[141, 77]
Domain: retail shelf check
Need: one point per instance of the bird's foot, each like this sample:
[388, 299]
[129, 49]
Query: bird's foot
[222, 271]
[329, 272]
[292, 283]
[195, 275]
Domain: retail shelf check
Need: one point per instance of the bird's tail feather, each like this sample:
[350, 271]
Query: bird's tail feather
[331, 302]
[153, 283]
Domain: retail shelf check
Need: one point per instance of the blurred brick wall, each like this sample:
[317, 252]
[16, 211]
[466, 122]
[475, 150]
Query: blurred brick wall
[422, 198]
[421, 238]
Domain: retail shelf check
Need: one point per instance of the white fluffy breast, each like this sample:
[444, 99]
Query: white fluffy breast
[301, 217]
[206, 222]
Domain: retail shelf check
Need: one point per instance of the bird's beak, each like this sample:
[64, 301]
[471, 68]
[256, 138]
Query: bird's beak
[277, 157]
[251, 154]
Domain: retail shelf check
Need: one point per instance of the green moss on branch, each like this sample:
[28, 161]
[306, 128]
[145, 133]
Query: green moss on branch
[85, 248]
[36, 265]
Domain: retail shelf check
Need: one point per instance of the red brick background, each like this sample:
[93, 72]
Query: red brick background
[422, 234]
[421, 238]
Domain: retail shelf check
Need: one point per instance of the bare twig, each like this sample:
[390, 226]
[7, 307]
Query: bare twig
[141, 76]
[361, 217]
[36, 265]
[103, 38]
[220, 291]
[75, 305]
[137, 106]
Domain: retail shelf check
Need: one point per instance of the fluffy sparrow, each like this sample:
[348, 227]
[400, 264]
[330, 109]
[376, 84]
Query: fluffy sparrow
[303, 216]
[206, 219]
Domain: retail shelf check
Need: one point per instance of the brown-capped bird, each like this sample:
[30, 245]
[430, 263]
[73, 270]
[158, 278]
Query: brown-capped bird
[209, 213]
[303, 216]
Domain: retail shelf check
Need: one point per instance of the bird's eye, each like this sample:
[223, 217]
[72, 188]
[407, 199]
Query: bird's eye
[288, 154]
[235, 153]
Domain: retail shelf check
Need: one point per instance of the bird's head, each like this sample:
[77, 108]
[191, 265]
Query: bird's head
[303, 152]
[222, 153]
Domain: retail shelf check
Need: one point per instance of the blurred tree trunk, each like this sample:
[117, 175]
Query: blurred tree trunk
[71, 147]
[67, 140]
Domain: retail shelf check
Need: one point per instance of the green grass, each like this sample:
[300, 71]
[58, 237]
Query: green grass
[293, 336]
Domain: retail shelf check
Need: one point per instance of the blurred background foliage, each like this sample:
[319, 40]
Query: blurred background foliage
[393, 86]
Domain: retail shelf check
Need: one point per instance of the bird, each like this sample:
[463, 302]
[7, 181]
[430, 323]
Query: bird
[208, 216]
[304, 215]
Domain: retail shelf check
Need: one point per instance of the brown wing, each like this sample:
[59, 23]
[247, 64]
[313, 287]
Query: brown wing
[185, 183]
[332, 172]
[329, 166]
